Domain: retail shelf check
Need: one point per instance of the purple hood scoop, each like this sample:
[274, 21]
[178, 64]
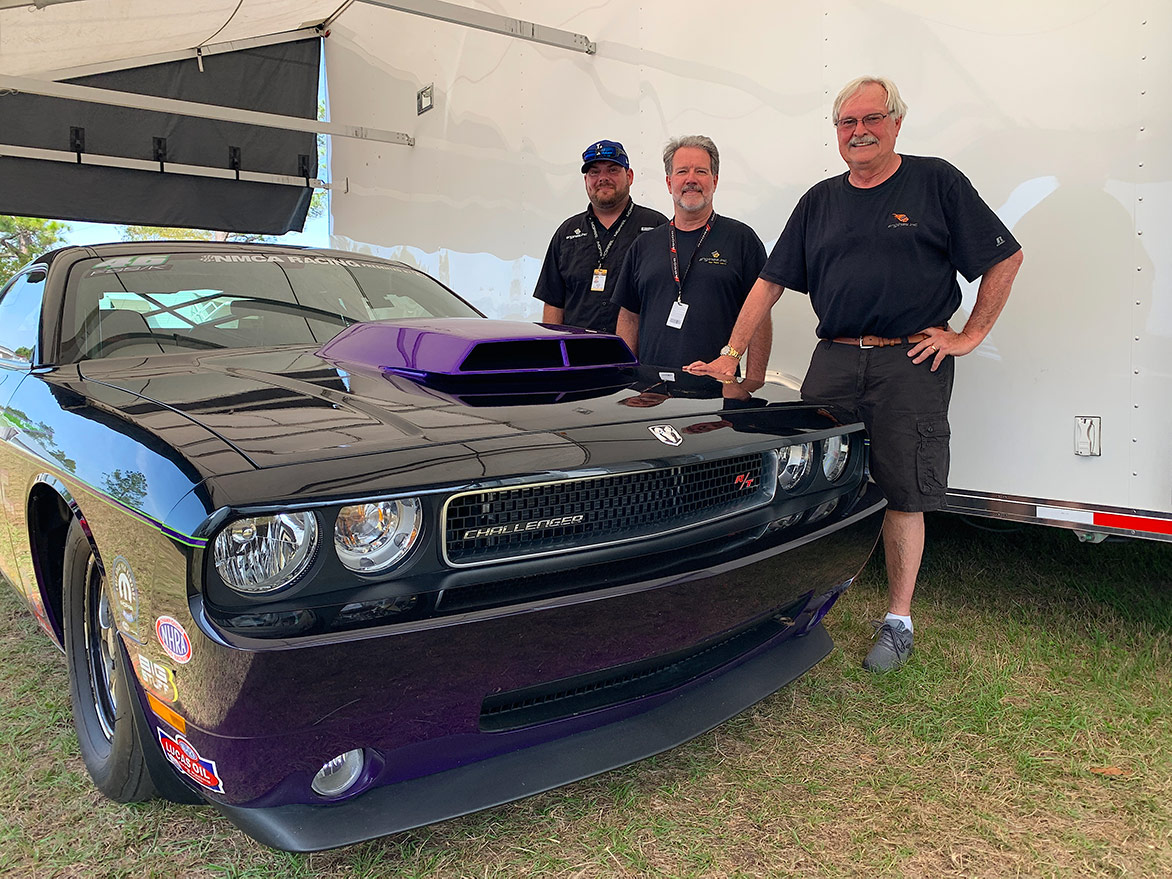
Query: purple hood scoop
[440, 350]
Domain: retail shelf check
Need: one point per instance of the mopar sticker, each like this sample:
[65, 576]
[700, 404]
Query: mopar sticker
[183, 754]
[174, 640]
[157, 678]
[126, 598]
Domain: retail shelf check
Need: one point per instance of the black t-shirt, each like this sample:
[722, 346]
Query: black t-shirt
[568, 271]
[716, 278]
[883, 261]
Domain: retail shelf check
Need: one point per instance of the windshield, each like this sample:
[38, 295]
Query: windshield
[168, 303]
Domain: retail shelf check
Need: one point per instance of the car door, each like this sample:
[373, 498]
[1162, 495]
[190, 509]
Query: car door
[20, 321]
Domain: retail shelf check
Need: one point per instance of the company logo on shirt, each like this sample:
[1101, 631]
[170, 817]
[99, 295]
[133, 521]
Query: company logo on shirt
[578, 233]
[900, 221]
[716, 259]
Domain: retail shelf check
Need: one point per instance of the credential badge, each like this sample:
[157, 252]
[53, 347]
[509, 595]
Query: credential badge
[666, 434]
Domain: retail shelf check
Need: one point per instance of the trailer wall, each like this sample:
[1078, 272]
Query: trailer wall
[1059, 112]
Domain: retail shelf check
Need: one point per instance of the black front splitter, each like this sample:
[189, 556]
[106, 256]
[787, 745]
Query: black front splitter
[486, 783]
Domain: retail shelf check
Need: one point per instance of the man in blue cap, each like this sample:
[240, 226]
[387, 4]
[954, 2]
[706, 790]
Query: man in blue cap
[587, 250]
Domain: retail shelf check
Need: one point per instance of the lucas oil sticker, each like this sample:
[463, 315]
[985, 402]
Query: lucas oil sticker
[187, 760]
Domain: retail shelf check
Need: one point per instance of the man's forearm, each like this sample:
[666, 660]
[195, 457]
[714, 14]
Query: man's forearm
[991, 295]
[551, 314]
[760, 301]
[757, 359]
[628, 329]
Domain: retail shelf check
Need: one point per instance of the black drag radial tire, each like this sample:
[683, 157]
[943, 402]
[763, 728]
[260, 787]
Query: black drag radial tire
[99, 679]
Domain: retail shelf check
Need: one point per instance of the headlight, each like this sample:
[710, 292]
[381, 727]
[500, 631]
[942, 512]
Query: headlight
[372, 537]
[264, 553]
[793, 464]
[835, 453]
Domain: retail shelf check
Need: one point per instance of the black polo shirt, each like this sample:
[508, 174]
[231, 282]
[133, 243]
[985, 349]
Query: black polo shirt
[568, 271]
[716, 279]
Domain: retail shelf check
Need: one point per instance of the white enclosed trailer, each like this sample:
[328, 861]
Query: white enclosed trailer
[1060, 113]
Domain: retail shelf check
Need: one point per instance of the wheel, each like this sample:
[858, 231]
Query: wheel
[99, 679]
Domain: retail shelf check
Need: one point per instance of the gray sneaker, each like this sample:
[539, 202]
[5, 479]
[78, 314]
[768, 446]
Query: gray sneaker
[893, 646]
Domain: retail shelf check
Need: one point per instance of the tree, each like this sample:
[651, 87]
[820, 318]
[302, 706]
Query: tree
[177, 233]
[22, 238]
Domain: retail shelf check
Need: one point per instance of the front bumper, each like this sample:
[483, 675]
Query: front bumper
[518, 774]
[267, 716]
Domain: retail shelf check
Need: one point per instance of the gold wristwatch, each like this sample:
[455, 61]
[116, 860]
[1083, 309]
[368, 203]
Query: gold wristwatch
[730, 351]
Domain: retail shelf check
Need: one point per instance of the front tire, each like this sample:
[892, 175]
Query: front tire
[99, 679]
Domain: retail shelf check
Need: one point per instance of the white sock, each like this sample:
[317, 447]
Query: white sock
[907, 621]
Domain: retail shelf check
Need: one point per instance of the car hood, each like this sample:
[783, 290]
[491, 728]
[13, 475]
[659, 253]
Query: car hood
[292, 405]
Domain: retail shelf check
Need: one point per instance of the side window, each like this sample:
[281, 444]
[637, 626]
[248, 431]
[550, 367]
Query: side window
[20, 316]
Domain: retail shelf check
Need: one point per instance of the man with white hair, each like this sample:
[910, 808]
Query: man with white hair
[878, 249]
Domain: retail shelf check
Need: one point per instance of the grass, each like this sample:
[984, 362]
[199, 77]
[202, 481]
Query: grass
[1031, 735]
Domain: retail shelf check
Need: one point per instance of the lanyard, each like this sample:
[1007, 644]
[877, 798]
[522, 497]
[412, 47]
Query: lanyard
[594, 228]
[675, 257]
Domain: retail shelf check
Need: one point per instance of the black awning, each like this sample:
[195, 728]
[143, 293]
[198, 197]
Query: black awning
[280, 79]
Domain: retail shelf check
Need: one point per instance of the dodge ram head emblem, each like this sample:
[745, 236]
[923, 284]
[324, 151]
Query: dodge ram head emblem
[666, 434]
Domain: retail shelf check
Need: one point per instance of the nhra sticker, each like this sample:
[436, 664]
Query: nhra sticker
[126, 598]
[183, 754]
[158, 678]
[174, 640]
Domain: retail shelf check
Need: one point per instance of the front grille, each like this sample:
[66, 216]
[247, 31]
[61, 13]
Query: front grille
[506, 523]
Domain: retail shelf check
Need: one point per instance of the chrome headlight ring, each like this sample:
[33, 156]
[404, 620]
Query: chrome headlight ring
[255, 555]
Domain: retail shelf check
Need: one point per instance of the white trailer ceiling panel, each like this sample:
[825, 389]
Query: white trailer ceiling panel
[65, 36]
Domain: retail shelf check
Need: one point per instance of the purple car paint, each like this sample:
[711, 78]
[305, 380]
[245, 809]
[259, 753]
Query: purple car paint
[469, 346]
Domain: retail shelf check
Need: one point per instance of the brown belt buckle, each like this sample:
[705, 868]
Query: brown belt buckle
[861, 345]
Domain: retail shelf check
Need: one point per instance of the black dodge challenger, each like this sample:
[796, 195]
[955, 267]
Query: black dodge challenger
[328, 549]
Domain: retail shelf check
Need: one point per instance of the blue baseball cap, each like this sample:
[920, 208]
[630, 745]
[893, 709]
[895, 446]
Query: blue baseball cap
[605, 151]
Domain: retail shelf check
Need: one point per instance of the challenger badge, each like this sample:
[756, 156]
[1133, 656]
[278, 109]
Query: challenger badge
[520, 527]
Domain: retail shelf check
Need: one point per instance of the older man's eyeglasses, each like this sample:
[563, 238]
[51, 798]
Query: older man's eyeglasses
[870, 121]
